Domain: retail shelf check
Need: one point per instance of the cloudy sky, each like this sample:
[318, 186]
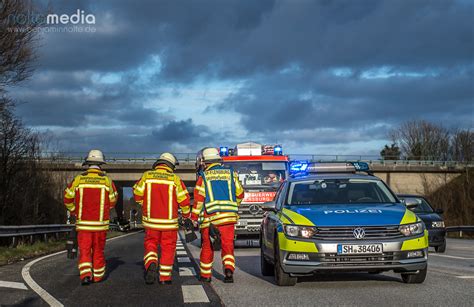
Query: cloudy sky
[324, 77]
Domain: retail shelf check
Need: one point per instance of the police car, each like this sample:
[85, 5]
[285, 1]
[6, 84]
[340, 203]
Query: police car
[331, 217]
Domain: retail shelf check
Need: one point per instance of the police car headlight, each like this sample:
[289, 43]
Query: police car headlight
[299, 231]
[411, 229]
[437, 224]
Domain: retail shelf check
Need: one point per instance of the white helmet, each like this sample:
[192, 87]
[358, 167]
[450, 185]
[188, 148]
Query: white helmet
[95, 157]
[168, 159]
[210, 155]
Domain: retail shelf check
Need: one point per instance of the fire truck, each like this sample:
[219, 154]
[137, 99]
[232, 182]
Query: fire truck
[261, 169]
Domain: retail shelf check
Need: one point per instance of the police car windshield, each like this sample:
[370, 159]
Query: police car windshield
[339, 191]
[255, 174]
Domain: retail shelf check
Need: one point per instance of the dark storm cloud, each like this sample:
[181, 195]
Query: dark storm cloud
[237, 38]
[317, 35]
[75, 100]
[180, 131]
[180, 136]
[302, 101]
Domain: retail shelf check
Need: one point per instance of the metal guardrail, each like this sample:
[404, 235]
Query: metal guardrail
[29, 230]
[32, 230]
[460, 228]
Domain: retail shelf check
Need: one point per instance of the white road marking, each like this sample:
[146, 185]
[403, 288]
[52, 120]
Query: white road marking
[25, 272]
[194, 294]
[187, 271]
[184, 259]
[13, 285]
[461, 276]
[180, 248]
[181, 252]
[48, 298]
[453, 257]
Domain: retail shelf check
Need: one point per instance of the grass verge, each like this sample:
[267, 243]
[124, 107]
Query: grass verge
[9, 255]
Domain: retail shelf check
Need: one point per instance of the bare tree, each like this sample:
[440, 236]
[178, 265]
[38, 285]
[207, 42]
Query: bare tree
[422, 140]
[391, 152]
[16, 42]
[29, 194]
[462, 145]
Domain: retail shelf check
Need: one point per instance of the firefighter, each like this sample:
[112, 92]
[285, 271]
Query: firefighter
[217, 196]
[89, 197]
[161, 193]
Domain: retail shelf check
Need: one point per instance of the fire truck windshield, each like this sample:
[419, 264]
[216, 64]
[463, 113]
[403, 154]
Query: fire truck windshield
[255, 174]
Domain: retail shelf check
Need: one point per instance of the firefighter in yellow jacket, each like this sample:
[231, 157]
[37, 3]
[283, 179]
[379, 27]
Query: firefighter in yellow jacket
[89, 197]
[161, 193]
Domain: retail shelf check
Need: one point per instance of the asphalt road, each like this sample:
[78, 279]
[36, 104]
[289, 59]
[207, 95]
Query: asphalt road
[123, 285]
[450, 281]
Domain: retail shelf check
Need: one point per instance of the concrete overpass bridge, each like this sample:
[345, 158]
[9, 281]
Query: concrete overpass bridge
[409, 177]
[402, 176]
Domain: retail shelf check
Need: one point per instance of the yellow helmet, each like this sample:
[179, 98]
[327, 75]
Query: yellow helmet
[168, 159]
[95, 157]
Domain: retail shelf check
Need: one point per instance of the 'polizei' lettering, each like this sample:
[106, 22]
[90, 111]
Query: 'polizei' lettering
[349, 211]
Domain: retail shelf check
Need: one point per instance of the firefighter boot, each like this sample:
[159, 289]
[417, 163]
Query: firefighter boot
[86, 281]
[150, 274]
[165, 282]
[205, 279]
[229, 276]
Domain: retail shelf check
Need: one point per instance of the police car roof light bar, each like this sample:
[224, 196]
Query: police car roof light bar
[304, 168]
[338, 167]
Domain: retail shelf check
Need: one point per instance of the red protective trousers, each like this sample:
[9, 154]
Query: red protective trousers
[227, 252]
[167, 241]
[91, 254]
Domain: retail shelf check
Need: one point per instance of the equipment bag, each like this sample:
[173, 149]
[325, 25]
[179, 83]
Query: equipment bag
[215, 237]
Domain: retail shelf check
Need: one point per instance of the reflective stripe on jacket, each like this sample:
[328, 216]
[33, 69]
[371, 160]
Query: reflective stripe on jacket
[161, 193]
[90, 196]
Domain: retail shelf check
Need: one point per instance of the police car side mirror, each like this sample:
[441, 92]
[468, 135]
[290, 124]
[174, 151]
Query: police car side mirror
[411, 203]
[269, 206]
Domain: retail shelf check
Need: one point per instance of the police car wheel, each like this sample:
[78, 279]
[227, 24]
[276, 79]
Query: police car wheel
[415, 278]
[267, 268]
[282, 278]
[441, 248]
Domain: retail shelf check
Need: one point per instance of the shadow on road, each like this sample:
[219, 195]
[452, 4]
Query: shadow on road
[251, 265]
[112, 264]
[30, 301]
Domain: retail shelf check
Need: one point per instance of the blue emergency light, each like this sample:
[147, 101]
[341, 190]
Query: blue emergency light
[223, 151]
[277, 150]
[298, 167]
[361, 166]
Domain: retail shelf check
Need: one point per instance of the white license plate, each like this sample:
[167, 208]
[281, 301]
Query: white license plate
[346, 249]
[242, 223]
